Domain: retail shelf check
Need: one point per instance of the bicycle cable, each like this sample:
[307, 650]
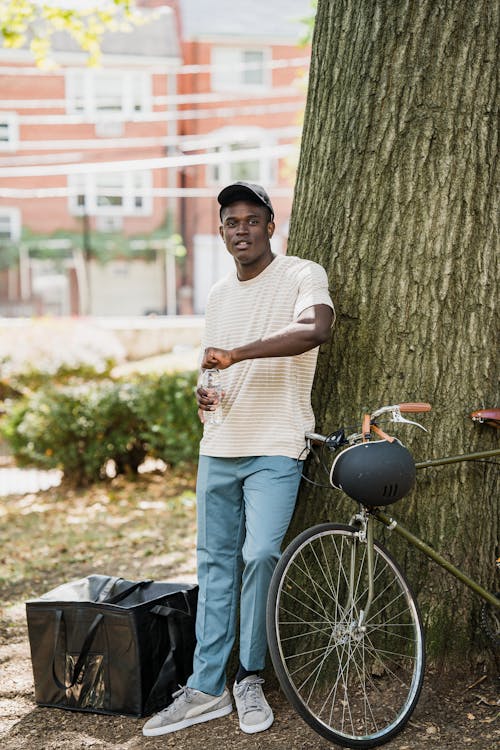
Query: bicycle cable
[319, 462]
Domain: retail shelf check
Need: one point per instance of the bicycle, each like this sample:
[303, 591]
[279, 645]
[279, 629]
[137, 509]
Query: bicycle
[344, 628]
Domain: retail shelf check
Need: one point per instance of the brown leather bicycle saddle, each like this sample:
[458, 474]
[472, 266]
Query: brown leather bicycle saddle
[488, 416]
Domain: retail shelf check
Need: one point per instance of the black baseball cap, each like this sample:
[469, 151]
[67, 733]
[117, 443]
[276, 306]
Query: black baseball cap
[245, 191]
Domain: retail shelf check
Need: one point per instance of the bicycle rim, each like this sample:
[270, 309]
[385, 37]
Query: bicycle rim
[356, 687]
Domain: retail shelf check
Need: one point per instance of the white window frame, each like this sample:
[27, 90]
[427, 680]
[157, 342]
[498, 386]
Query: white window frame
[228, 72]
[13, 217]
[131, 186]
[10, 121]
[224, 172]
[82, 92]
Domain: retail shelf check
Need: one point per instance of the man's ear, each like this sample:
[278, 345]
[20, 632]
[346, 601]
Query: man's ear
[270, 229]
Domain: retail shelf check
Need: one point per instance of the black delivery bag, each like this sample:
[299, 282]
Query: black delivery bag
[107, 645]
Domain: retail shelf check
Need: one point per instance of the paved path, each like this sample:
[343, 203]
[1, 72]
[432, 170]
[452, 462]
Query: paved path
[21, 481]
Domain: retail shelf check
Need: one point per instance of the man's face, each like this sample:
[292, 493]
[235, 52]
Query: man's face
[246, 230]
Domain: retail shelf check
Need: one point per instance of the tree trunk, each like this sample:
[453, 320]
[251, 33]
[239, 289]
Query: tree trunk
[397, 198]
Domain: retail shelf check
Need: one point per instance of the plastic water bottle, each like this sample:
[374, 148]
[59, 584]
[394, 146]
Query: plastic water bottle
[211, 381]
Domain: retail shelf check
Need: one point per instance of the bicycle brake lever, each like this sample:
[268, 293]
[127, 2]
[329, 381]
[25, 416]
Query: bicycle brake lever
[397, 417]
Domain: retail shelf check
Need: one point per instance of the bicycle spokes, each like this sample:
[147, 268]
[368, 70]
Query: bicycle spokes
[349, 641]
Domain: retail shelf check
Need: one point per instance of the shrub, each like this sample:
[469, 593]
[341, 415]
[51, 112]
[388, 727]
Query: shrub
[80, 428]
[167, 410]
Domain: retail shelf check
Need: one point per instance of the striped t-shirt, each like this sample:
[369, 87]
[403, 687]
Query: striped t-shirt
[267, 405]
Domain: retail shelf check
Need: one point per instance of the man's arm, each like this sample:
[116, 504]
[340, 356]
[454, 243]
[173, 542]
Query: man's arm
[311, 329]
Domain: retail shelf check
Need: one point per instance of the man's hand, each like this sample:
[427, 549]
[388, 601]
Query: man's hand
[212, 358]
[219, 358]
[206, 402]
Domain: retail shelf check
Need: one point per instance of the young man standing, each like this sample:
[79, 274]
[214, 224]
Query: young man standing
[264, 324]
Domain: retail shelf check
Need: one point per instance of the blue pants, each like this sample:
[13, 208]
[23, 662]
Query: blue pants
[244, 508]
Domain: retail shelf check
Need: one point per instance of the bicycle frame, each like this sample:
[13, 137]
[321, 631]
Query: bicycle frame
[364, 520]
[345, 634]
[394, 525]
[457, 459]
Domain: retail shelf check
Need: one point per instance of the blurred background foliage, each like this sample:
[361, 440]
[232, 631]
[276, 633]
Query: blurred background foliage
[94, 429]
[63, 408]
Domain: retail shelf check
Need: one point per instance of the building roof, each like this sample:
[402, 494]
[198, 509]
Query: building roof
[277, 20]
[155, 38]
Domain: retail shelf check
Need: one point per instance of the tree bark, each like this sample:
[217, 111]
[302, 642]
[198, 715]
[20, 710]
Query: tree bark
[397, 197]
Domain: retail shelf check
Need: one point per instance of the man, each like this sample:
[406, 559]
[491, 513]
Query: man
[264, 324]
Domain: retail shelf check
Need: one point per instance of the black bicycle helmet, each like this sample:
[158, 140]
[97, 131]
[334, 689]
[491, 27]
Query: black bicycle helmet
[374, 473]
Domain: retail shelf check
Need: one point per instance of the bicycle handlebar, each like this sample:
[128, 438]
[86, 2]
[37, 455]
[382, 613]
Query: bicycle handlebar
[315, 437]
[337, 439]
[415, 407]
[405, 408]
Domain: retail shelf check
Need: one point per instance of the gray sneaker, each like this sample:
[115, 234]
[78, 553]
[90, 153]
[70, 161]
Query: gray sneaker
[189, 707]
[254, 711]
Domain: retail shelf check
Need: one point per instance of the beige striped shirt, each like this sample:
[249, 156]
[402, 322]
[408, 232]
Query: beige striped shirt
[267, 405]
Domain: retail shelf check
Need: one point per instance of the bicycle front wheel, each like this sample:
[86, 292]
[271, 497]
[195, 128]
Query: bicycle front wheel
[354, 681]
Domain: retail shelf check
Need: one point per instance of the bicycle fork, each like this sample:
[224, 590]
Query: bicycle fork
[364, 535]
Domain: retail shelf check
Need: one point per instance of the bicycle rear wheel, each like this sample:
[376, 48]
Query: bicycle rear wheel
[354, 686]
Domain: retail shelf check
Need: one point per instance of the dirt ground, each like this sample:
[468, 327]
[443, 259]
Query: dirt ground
[449, 717]
[453, 713]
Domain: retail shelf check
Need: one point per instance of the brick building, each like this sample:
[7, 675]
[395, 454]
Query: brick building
[111, 162]
[246, 95]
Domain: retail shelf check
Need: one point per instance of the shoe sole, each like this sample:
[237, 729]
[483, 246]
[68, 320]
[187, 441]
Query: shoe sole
[254, 728]
[156, 731]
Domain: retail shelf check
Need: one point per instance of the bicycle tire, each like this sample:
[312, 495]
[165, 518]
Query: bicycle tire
[356, 689]
[490, 621]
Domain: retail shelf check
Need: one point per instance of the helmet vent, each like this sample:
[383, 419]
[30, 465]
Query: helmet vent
[390, 490]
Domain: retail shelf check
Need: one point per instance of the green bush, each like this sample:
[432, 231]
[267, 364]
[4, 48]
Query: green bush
[80, 428]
